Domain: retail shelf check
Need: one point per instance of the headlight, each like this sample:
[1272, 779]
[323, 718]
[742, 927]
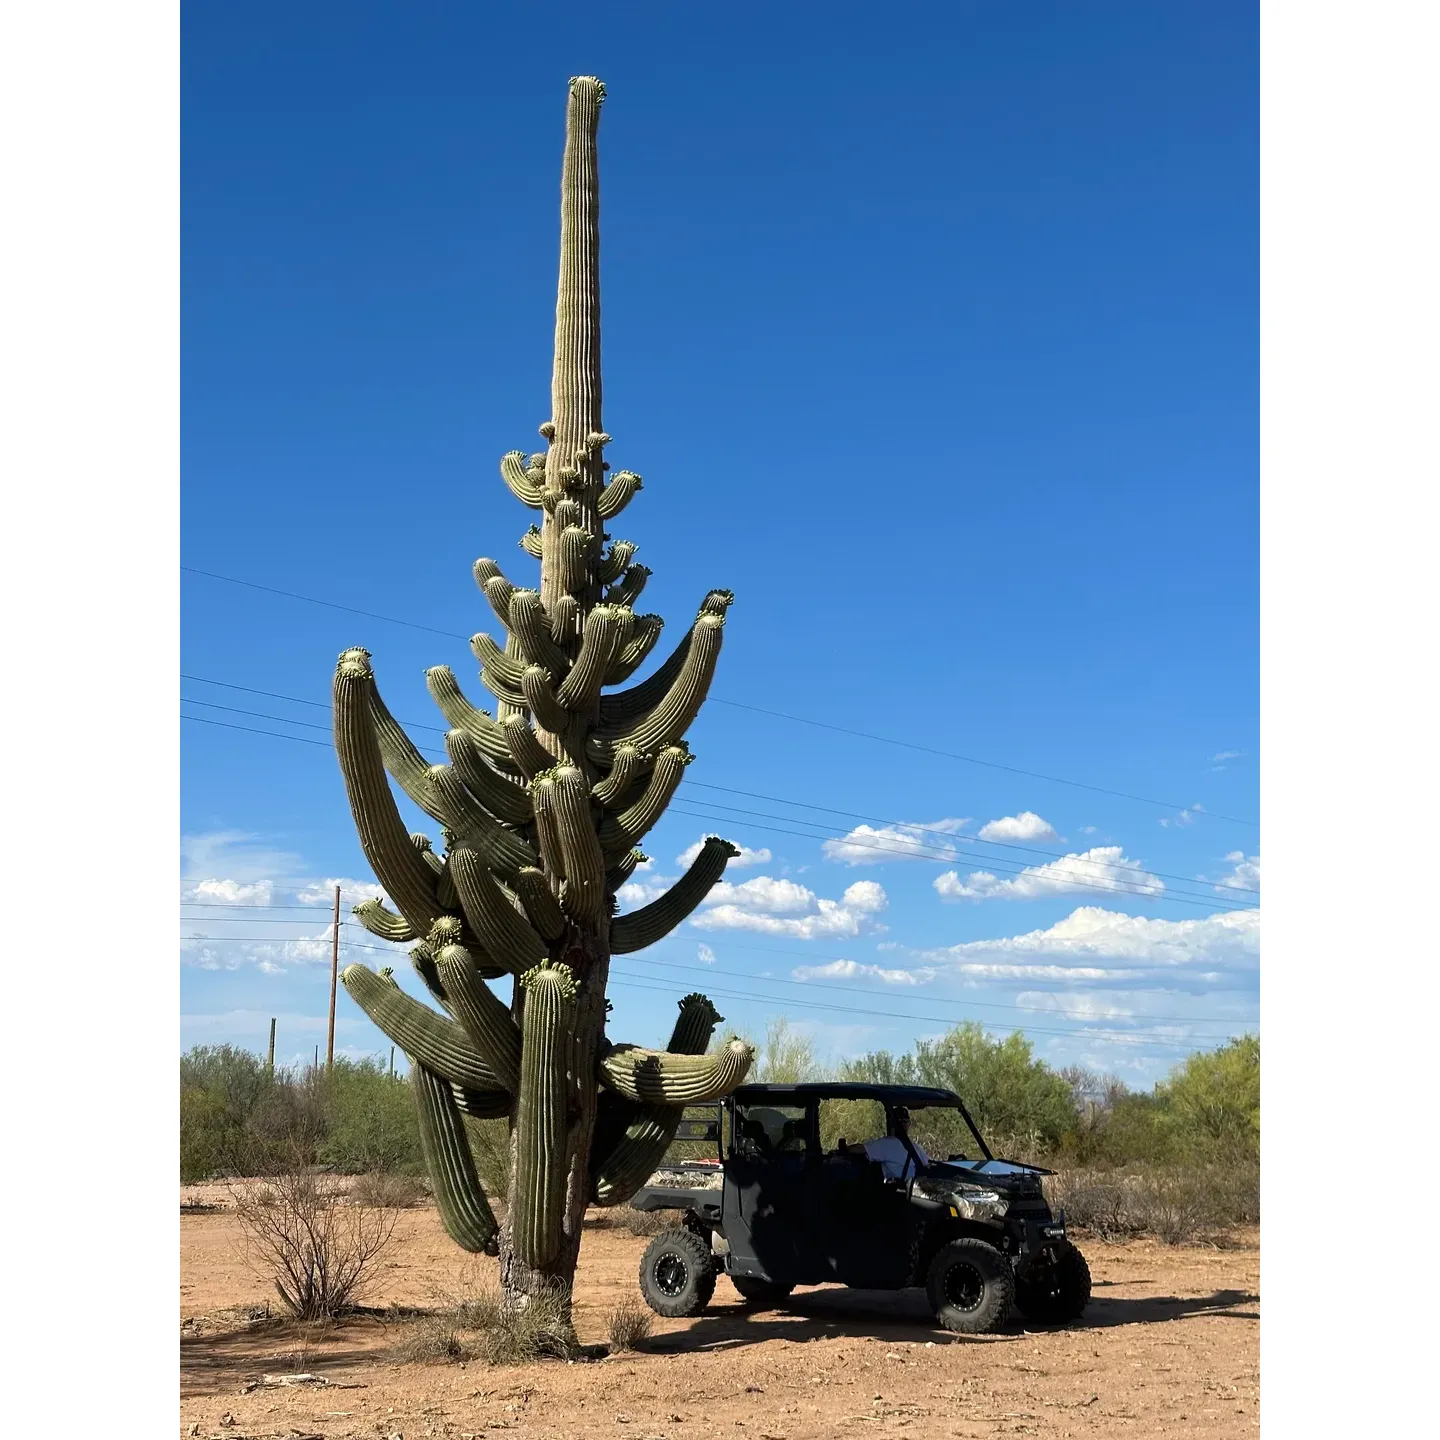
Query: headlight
[971, 1202]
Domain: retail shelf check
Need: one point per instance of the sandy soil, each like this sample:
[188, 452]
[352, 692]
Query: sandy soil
[1169, 1346]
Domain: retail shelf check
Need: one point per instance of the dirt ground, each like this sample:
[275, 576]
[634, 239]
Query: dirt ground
[1168, 1346]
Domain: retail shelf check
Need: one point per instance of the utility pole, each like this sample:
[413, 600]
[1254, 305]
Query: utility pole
[270, 1057]
[392, 1062]
[334, 979]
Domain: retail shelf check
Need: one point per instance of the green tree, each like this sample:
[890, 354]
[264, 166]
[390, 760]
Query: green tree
[1211, 1103]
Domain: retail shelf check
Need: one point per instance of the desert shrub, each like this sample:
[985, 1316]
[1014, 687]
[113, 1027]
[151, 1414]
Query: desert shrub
[433, 1339]
[320, 1251]
[517, 1336]
[388, 1191]
[370, 1123]
[1210, 1105]
[629, 1325]
[1176, 1203]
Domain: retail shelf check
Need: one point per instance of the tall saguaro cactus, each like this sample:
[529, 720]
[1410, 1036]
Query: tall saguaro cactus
[541, 809]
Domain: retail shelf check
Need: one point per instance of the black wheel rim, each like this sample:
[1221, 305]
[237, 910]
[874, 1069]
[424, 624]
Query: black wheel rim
[670, 1274]
[964, 1286]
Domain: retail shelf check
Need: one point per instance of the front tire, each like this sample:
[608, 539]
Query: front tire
[971, 1287]
[1055, 1293]
[677, 1273]
[760, 1294]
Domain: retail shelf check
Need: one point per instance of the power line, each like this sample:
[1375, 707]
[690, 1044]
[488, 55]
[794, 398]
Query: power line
[1089, 1032]
[950, 835]
[774, 714]
[1005, 866]
[930, 998]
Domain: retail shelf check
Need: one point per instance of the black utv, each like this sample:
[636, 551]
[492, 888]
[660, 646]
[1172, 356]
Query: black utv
[790, 1200]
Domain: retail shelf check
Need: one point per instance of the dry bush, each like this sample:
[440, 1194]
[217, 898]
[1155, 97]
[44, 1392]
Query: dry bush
[320, 1250]
[434, 1339]
[642, 1222]
[513, 1337]
[388, 1192]
[1177, 1204]
[629, 1325]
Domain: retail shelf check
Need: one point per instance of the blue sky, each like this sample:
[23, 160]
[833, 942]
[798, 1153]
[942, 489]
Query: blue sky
[935, 338]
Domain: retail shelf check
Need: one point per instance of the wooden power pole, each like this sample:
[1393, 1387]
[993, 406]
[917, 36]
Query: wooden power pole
[334, 980]
[270, 1057]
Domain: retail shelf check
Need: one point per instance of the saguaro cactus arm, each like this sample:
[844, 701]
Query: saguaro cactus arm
[655, 1077]
[459, 1196]
[542, 1116]
[434, 1041]
[656, 920]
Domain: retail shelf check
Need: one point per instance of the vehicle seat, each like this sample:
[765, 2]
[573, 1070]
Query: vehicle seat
[754, 1132]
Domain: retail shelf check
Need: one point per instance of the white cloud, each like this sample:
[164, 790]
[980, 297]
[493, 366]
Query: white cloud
[781, 907]
[879, 845]
[352, 892]
[1087, 829]
[634, 892]
[853, 969]
[705, 955]
[1245, 872]
[230, 892]
[747, 856]
[1227, 755]
[1103, 868]
[1227, 941]
[1027, 825]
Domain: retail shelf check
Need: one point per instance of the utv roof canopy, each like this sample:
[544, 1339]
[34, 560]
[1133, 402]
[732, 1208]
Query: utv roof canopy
[912, 1096]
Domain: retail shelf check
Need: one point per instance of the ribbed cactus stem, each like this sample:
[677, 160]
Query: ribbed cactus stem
[383, 837]
[654, 1077]
[656, 920]
[373, 915]
[526, 752]
[613, 563]
[498, 591]
[531, 627]
[622, 489]
[508, 937]
[565, 620]
[627, 592]
[669, 720]
[541, 906]
[542, 1113]
[495, 661]
[625, 769]
[604, 628]
[621, 832]
[501, 797]
[539, 696]
[579, 846]
[635, 652]
[432, 1039]
[483, 1104]
[486, 1018]
[620, 872]
[547, 830]
[516, 474]
[459, 1196]
[532, 543]
[502, 849]
[462, 715]
[422, 959]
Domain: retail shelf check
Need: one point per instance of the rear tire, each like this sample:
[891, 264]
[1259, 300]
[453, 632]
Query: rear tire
[971, 1287]
[760, 1294]
[677, 1273]
[1054, 1294]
